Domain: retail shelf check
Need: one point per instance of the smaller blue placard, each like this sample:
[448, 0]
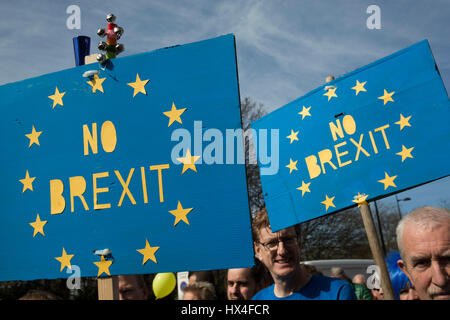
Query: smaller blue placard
[375, 131]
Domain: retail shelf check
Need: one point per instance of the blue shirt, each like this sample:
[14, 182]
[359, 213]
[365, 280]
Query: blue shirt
[317, 288]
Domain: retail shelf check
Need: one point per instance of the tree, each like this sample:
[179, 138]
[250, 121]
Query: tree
[337, 236]
[389, 219]
[250, 111]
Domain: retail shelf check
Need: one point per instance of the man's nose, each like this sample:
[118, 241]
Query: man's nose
[281, 249]
[439, 275]
[234, 288]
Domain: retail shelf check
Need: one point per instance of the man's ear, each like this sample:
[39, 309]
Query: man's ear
[402, 265]
[257, 251]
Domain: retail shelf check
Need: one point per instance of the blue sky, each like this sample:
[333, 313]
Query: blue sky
[284, 48]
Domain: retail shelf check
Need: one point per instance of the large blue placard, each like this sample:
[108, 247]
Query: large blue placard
[117, 158]
[376, 131]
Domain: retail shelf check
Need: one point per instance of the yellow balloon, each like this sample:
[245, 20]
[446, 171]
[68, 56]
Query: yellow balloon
[163, 284]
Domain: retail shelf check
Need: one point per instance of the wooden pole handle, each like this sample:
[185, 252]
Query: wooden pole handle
[108, 288]
[377, 252]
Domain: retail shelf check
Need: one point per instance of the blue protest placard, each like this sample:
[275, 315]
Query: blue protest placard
[376, 131]
[117, 162]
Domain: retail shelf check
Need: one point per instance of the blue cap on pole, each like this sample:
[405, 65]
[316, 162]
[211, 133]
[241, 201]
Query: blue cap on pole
[81, 46]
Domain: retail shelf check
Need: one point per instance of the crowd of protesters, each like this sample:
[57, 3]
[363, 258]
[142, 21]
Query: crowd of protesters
[419, 271]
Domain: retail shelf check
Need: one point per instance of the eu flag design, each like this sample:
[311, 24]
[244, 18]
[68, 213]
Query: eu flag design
[102, 159]
[376, 131]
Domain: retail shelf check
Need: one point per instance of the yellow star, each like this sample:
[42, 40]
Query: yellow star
[331, 93]
[387, 97]
[305, 112]
[188, 161]
[65, 260]
[360, 199]
[292, 165]
[174, 114]
[405, 153]
[27, 182]
[103, 266]
[359, 87]
[180, 214]
[404, 122]
[96, 83]
[138, 85]
[304, 188]
[148, 252]
[328, 202]
[57, 98]
[38, 226]
[293, 136]
[34, 137]
[388, 181]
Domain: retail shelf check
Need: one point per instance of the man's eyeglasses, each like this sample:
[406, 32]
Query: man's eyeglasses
[273, 245]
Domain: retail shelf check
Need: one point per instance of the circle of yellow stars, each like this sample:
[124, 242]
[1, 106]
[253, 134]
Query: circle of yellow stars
[332, 92]
[188, 161]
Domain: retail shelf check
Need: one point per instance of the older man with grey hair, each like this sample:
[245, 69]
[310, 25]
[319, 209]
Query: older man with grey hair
[423, 238]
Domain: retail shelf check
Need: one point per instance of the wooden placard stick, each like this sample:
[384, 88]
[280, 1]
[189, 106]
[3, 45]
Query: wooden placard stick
[108, 288]
[375, 247]
[374, 242]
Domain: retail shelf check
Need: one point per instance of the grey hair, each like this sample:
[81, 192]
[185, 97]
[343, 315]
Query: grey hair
[337, 271]
[204, 288]
[423, 217]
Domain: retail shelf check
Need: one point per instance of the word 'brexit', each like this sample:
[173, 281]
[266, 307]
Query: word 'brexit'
[77, 188]
[342, 149]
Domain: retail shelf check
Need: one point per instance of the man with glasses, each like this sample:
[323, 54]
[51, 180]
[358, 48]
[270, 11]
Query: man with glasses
[280, 253]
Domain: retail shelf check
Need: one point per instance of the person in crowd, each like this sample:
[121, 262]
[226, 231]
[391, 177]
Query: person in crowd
[361, 291]
[338, 272]
[195, 276]
[423, 238]
[408, 293]
[359, 278]
[35, 294]
[241, 283]
[280, 252]
[133, 287]
[199, 290]
[377, 292]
